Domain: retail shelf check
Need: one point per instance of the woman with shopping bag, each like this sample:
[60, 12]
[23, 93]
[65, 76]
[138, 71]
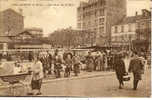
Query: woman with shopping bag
[120, 70]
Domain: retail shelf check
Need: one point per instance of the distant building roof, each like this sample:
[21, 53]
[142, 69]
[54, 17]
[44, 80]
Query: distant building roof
[127, 20]
[132, 19]
[92, 1]
[5, 39]
[34, 29]
[9, 9]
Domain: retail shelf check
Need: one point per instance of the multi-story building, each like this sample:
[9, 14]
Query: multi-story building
[143, 25]
[37, 32]
[11, 22]
[124, 32]
[143, 30]
[98, 16]
[132, 28]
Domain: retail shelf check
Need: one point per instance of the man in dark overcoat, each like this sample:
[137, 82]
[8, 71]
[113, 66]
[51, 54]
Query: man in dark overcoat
[137, 68]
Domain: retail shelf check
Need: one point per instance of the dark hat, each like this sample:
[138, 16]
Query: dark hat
[135, 52]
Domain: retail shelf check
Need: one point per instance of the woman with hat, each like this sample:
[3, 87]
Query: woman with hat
[89, 62]
[119, 67]
[37, 76]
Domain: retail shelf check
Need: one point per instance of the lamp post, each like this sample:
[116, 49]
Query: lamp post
[130, 43]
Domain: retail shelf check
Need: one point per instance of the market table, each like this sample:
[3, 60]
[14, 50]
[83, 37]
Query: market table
[13, 80]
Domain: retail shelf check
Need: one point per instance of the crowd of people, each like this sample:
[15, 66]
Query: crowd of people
[71, 61]
[67, 62]
[56, 63]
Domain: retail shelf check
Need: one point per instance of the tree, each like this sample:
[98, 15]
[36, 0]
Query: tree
[71, 38]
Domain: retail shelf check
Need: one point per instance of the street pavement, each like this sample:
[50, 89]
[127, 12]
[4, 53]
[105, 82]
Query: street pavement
[89, 84]
[102, 86]
[81, 75]
[21, 90]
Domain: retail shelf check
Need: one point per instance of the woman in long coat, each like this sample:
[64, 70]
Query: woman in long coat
[99, 62]
[68, 62]
[89, 62]
[119, 67]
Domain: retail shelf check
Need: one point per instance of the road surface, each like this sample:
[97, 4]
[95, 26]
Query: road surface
[104, 86]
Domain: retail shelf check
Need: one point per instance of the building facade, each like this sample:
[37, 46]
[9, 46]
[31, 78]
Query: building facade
[98, 16]
[124, 32]
[4, 41]
[143, 31]
[23, 40]
[37, 32]
[132, 28]
[11, 22]
[143, 25]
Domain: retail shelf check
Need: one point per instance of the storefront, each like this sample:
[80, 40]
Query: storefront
[141, 45]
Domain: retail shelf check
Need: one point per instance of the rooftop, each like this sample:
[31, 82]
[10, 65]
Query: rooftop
[132, 19]
[33, 29]
[5, 39]
[11, 10]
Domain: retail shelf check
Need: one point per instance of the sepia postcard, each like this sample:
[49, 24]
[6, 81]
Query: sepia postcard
[75, 48]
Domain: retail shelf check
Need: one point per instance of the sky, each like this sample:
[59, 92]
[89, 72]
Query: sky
[51, 18]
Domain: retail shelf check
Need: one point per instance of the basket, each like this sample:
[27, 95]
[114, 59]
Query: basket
[126, 77]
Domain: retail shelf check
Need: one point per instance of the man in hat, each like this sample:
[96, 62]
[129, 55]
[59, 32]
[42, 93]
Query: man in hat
[136, 67]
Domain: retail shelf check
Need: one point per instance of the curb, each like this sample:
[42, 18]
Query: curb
[65, 79]
[81, 77]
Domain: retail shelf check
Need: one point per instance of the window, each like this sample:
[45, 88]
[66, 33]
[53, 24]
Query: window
[143, 25]
[138, 25]
[102, 12]
[116, 29]
[84, 25]
[129, 37]
[122, 28]
[95, 22]
[129, 27]
[89, 23]
[79, 25]
[122, 38]
[101, 21]
[102, 2]
[113, 38]
[101, 29]
[95, 13]
[95, 29]
[116, 38]
[79, 18]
